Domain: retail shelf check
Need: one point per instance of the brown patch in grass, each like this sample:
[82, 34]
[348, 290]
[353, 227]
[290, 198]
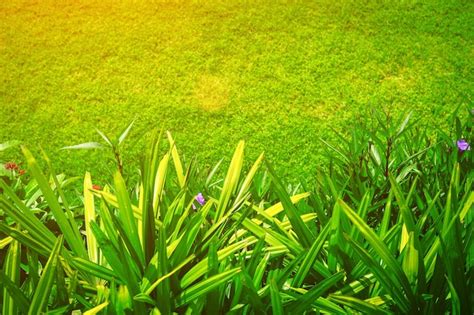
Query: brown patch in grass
[212, 92]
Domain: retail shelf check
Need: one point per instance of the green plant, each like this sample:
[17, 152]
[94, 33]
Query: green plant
[113, 145]
[121, 241]
[246, 245]
[9, 170]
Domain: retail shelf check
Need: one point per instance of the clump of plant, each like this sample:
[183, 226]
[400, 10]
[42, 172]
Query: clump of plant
[113, 145]
[383, 145]
[9, 170]
[378, 234]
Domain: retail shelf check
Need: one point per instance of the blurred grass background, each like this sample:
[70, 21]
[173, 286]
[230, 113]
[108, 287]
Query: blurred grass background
[276, 74]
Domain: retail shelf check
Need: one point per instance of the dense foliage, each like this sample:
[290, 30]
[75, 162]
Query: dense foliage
[387, 230]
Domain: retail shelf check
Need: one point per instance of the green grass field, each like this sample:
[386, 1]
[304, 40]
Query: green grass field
[276, 75]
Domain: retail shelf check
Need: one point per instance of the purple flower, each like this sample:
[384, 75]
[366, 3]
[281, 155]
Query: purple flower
[200, 198]
[463, 145]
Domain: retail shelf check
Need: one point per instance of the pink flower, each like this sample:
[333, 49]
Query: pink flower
[11, 166]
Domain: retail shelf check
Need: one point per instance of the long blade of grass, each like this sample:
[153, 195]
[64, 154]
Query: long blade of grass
[178, 268]
[260, 271]
[213, 297]
[146, 210]
[310, 257]
[104, 136]
[26, 239]
[24, 216]
[133, 258]
[386, 215]
[8, 144]
[277, 305]
[15, 293]
[164, 288]
[205, 286]
[231, 181]
[404, 209]
[385, 278]
[110, 252]
[358, 305]
[126, 216]
[467, 206]
[304, 234]
[159, 185]
[245, 290]
[201, 268]
[97, 309]
[357, 286]
[95, 269]
[382, 250]
[89, 215]
[71, 234]
[41, 296]
[124, 133]
[306, 300]
[11, 269]
[245, 186]
[5, 241]
[178, 166]
[411, 260]
[83, 146]
[455, 301]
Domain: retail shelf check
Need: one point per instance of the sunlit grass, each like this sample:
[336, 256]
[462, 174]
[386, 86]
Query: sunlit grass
[213, 73]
